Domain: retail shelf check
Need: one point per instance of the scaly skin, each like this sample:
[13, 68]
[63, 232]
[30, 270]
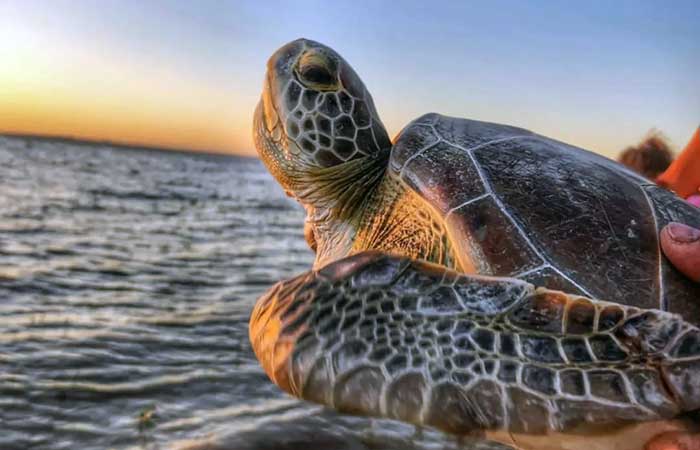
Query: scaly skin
[389, 337]
[399, 222]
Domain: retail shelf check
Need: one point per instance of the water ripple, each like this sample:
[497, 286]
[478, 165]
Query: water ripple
[127, 278]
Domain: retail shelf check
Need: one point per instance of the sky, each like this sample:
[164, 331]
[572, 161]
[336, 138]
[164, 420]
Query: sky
[186, 74]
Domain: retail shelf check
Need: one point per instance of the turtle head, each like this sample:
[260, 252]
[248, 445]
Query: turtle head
[315, 114]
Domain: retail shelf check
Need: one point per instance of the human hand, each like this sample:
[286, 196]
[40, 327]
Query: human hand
[681, 245]
[674, 440]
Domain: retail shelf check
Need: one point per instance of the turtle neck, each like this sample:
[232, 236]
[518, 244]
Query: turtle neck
[335, 199]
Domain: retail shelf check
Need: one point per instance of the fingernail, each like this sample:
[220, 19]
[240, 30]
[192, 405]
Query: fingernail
[683, 234]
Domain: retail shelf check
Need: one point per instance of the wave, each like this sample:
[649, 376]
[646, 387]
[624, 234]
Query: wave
[127, 279]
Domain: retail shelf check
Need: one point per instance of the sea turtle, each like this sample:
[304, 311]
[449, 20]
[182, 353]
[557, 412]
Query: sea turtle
[471, 276]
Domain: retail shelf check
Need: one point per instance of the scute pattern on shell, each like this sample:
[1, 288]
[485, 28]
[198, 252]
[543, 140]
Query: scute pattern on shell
[517, 204]
[463, 353]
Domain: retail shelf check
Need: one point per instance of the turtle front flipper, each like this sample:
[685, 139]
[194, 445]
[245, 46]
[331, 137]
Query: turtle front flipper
[385, 336]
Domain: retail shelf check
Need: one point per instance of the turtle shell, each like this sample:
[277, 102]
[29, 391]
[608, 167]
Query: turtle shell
[518, 204]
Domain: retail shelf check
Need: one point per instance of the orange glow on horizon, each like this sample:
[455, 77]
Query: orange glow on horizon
[149, 126]
[51, 89]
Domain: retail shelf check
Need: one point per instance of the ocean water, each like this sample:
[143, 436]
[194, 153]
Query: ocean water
[127, 278]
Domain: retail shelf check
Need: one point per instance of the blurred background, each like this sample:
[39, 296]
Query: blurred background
[188, 74]
[137, 228]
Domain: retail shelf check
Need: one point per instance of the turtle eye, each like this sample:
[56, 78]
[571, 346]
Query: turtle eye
[317, 71]
[316, 74]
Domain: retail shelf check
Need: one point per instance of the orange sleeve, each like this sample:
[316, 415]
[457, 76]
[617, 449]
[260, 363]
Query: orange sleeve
[683, 175]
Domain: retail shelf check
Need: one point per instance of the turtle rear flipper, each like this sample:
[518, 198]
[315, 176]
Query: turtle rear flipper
[385, 336]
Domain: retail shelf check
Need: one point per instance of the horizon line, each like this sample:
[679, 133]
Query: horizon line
[130, 145]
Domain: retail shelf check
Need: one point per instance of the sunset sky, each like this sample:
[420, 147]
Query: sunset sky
[187, 74]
